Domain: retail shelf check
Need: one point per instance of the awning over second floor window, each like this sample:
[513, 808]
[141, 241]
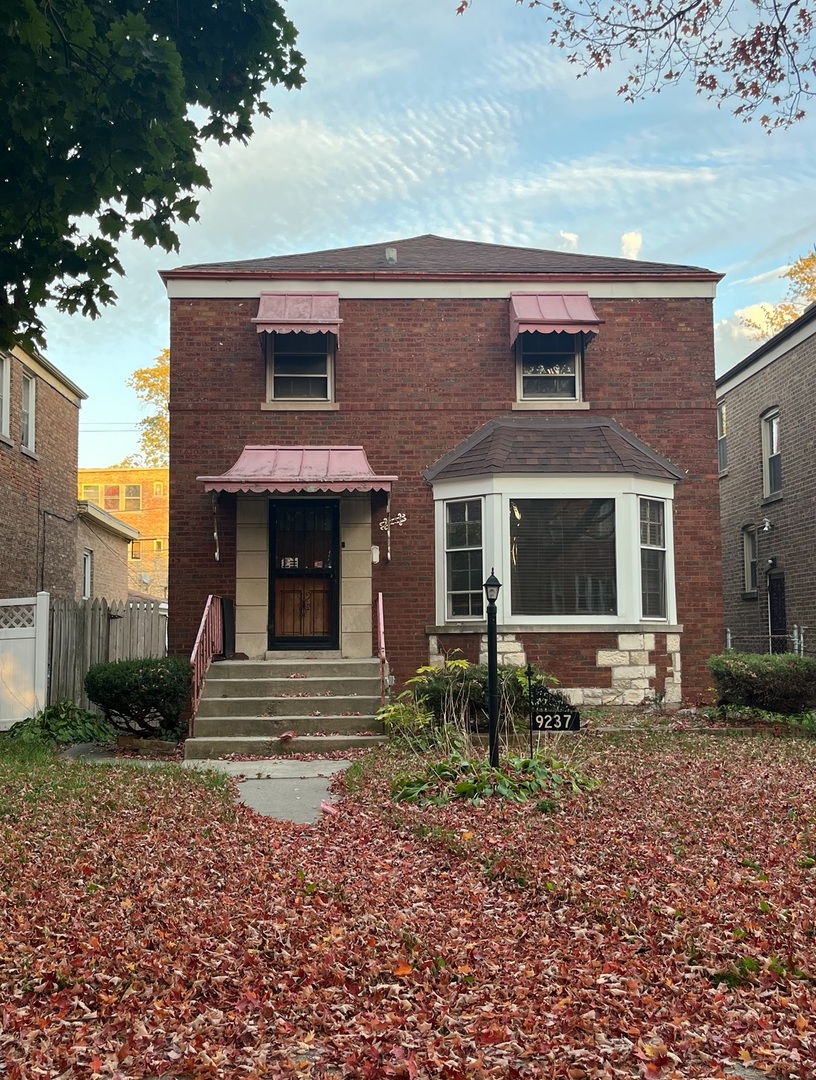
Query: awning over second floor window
[551, 313]
[298, 313]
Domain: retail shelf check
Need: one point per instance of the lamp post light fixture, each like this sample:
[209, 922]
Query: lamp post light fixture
[491, 588]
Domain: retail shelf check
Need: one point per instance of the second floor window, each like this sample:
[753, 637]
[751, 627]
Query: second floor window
[549, 367]
[133, 497]
[771, 454]
[29, 411]
[299, 367]
[5, 377]
[111, 497]
[722, 432]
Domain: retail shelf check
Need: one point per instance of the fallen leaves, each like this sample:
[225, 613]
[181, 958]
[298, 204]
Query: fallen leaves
[660, 926]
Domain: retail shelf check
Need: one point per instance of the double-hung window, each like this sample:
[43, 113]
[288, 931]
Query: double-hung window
[5, 393]
[771, 454]
[300, 367]
[90, 493]
[463, 558]
[29, 411]
[722, 433]
[111, 497]
[653, 558]
[549, 367]
[749, 554]
[133, 496]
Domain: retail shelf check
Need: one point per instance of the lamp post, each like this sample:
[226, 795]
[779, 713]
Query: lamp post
[491, 588]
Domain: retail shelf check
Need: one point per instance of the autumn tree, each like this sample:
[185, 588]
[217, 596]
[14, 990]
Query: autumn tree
[756, 56]
[152, 386]
[801, 278]
[106, 107]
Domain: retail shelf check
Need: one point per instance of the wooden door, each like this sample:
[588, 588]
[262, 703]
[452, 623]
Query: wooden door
[304, 545]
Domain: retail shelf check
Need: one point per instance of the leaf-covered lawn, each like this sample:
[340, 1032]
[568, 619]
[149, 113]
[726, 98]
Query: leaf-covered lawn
[660, 926]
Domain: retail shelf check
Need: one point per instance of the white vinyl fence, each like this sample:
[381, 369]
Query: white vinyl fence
[23, 657]
[47, 647]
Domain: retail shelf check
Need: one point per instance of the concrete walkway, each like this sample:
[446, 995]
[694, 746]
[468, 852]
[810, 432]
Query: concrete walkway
[285, 789]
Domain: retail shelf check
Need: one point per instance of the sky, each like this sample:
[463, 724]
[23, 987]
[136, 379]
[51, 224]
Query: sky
[415, 120]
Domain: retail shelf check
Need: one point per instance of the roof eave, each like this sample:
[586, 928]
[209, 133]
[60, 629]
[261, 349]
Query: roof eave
[431, 275]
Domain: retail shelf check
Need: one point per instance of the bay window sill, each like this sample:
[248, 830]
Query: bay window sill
[543, 405]
[646, 627]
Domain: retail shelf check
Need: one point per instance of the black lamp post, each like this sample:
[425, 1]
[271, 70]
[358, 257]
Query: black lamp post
[491, 588]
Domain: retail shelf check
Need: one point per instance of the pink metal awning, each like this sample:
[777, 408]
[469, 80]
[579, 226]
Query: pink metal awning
[306, 469]
[551, 313]
[298, 313]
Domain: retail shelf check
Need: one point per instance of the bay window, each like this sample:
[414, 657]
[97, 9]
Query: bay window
[652, 559]
[463, 558]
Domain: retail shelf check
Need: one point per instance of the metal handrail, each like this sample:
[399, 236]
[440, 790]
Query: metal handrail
[381, 647]
[209, 643]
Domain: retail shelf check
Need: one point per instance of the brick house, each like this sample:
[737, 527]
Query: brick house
[39, 424]
[767, 457]
[141, 499]
[103, 546]
[401, 418]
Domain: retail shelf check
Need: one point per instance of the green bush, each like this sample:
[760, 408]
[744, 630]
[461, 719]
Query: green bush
[457, 692]
[520, 779]
[775, 682]
[61, 724]
[142, 697]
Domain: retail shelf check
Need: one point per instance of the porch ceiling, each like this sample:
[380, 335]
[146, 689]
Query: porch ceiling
[305, 469]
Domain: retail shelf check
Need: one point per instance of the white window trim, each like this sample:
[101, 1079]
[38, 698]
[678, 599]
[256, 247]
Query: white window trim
[654, 547]
[30, 380]
[5, 395]
[87, 574]
[766, 420]
[497, 492]
[549, 402]
[747, 533]
[722, 437]
[293, 402]
[444, 563]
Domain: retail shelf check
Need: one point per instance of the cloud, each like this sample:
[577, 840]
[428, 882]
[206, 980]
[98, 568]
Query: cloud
[763, 279]
[570, 241]
[631, 243]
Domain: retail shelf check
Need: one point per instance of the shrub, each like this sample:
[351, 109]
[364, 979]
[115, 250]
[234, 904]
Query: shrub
[457, 692]
[141, 697]
[61, 724]
[519, 780]
[776, 682]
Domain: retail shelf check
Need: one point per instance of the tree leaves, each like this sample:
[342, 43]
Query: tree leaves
[150, 927]
[101, 137]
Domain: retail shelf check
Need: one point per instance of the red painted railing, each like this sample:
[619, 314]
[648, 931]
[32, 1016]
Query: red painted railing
[209, 643]
[381, 647]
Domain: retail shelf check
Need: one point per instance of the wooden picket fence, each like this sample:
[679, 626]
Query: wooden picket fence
[86, 632]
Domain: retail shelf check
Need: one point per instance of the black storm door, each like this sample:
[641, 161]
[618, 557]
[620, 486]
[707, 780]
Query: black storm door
[304, 545]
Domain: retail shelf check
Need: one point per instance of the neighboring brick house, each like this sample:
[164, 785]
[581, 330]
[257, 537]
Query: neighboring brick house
[768, 491]
[547, 414]
[39, 423]
[141, 499]
[103, 546]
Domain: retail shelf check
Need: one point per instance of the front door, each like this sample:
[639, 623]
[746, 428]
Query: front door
[304, 593]
[777, 616]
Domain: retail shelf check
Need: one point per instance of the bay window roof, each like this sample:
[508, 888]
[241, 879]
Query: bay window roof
[554, 446]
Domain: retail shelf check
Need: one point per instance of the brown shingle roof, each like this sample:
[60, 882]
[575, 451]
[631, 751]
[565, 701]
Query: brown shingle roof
[552, 446]
[431, 254]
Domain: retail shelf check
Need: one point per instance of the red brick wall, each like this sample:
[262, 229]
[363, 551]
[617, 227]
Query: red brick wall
[571, 657]
[413, 379]
[38, 511]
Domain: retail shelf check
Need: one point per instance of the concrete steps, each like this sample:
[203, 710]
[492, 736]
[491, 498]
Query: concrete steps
[319, 703]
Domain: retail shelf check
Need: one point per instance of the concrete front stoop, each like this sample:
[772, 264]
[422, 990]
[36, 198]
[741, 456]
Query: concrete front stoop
[321, 704]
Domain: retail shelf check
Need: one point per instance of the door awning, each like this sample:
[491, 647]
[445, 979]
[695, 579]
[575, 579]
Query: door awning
[305, 469]
[551, 313]
[298, 313]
